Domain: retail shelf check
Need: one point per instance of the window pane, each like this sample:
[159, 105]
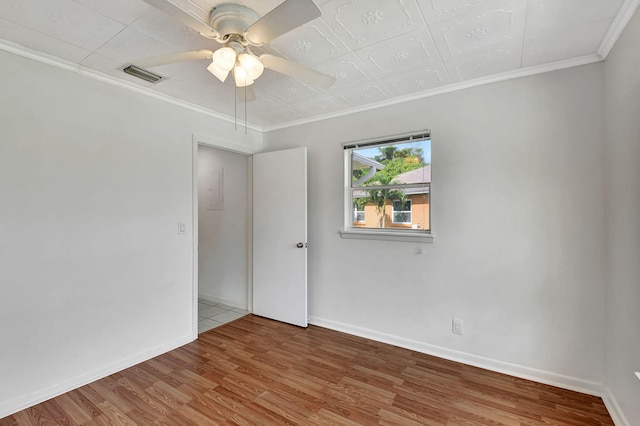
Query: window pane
[401, 163]
[399, 208]
[399, 205]
[401, 217]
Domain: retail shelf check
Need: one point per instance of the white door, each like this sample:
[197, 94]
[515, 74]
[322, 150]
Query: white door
[280, 235]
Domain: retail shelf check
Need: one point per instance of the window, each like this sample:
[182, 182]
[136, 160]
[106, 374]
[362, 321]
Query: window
[401, 211]
[388, 188]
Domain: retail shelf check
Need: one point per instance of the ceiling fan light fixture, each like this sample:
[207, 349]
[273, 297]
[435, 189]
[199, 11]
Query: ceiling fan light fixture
[221, 74]
[251, 65]
[224, 58]
[241, 77]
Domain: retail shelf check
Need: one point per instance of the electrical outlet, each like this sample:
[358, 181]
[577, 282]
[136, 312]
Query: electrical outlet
[457, 326]
[182, 228]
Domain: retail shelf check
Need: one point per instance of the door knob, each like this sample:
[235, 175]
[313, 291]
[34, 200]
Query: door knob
[300, 245]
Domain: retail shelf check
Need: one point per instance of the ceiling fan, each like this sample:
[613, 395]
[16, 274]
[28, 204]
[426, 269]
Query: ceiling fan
[237, 28]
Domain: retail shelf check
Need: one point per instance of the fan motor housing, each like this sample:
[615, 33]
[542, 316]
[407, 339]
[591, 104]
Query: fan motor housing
[231, 18]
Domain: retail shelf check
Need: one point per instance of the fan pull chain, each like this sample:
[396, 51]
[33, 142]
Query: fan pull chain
[245, 109]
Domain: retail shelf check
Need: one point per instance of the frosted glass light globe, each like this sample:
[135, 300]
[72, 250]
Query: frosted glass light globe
[252, 65]
[224, 58]
[241, 77]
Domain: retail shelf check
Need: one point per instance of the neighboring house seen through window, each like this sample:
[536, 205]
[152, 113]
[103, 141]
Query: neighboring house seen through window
[388, 185]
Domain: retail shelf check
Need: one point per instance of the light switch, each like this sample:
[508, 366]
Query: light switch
[182, 228]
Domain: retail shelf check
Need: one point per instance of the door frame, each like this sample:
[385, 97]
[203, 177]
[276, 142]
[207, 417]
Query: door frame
[198, 140]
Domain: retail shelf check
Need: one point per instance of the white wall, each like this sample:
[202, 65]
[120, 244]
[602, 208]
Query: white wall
[93, 181]
[518, 216]
[622, 154]
[223, 234]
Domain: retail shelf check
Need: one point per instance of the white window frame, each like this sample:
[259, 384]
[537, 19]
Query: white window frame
[389, 234]
[394, 211]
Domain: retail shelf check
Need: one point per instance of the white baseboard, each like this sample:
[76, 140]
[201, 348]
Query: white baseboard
[553, 379]
[614, 409]
[21, 402]
[229, 302]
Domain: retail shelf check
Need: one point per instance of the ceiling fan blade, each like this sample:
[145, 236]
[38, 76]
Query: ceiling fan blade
[297, 71]
[174, 8]
[287, 16]
[245, 94]
[155, 61]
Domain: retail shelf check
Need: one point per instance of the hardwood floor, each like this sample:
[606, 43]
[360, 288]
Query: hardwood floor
[254, 371]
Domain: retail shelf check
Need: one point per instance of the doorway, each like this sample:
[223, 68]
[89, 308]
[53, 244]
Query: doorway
[223, 224]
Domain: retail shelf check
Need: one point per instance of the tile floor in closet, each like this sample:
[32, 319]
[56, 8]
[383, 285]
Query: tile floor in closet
[212, 315]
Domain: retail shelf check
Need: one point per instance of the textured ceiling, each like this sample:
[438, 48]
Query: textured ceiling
[379, 50]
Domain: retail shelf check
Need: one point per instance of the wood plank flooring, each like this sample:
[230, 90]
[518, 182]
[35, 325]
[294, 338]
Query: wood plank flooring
[254, 371]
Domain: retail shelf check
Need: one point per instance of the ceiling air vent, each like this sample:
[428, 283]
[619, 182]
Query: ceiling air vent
[142, 74]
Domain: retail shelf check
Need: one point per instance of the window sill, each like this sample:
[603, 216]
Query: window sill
[407, 237]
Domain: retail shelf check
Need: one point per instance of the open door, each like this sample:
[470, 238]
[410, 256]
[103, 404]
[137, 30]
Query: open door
[280, 235]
